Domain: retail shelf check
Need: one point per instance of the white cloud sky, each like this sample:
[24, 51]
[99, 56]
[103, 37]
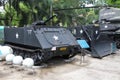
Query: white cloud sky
[1, 9]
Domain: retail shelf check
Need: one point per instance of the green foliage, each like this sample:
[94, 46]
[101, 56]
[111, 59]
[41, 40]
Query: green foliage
[73, 17]
[11, 16]
[24, 12]
[2, 17]
[23, 7]
[91, 16]
[113, 2]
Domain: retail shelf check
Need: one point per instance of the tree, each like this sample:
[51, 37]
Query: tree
[29, 11]
[24, 12]
[79, 16]
[113, 2]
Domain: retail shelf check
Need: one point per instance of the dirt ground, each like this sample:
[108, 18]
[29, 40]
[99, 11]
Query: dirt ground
[107, 68]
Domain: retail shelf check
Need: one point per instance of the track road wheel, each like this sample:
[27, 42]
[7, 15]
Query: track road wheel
[68, 56]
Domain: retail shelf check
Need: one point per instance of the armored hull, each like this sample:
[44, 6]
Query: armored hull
[40, 42]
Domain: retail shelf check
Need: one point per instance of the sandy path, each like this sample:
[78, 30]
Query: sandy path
[107, 68]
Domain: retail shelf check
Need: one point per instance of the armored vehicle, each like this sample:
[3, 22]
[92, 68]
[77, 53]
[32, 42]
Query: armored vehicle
[103, 36]
[41, 42]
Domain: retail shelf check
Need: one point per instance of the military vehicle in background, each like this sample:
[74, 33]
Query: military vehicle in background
[103, 35]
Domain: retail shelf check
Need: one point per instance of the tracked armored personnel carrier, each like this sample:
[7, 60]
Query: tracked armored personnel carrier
[41, 42]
